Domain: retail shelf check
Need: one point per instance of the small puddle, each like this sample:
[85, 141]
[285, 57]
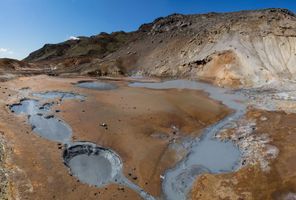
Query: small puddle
[206, 154]
[45, 125]
[26, 106]
[39, 115]
[50, 128]
[96, 85]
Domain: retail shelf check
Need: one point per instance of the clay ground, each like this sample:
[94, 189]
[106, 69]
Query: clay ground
[141, 125]
[250, 182]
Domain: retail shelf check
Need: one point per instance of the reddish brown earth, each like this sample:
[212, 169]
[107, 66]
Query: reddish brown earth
[133, 115]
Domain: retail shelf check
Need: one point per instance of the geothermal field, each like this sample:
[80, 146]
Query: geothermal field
[142, 139]
[186, 107]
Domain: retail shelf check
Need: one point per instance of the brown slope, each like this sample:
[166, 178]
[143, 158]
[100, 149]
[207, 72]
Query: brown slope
[12, 64]
[97, 46]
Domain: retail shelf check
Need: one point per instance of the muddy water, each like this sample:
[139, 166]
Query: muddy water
[98, 166]
[205, 154]
[96, 85]
[88, 162]
[39, 115]
[45, 125]
[92, 164]
[58, 95]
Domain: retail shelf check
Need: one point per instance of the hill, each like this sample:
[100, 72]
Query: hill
[246, 48]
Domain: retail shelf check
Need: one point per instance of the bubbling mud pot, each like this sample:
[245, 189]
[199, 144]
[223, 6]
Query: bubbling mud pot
[89, 163]
[96, 85]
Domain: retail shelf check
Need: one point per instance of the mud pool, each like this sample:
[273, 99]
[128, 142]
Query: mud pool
[92, 164]
[99, 166]
[42, 122]
[86, 161]
[96, 85]
[205, 154]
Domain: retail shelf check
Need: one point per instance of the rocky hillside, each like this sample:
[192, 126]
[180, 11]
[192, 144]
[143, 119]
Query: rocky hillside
[247, 48]
[96, 46]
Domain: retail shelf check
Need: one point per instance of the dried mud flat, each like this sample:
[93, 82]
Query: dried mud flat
[139, 124]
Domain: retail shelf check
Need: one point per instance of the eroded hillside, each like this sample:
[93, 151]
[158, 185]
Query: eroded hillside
[247, 48]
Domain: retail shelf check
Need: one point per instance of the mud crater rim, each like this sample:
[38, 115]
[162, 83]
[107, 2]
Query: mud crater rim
[92, 164]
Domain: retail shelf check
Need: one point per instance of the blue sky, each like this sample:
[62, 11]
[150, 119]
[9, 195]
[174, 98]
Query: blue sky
[26, 25]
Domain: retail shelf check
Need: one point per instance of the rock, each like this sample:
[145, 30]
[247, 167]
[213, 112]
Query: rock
[104, 125]
[263, 118]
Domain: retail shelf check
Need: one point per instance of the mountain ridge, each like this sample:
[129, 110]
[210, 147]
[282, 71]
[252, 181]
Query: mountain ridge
[242, 48]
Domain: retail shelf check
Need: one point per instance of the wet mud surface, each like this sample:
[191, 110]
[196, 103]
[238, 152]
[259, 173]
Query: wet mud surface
[92, 164]
[111, 120]
[58, 94]
[205, 154]
[269, 176]
[96, 85]
[42, 122]
[141, 138]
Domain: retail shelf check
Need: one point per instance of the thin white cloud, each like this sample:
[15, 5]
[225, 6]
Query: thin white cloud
[5, 53]
[3, 50]
[73, 38]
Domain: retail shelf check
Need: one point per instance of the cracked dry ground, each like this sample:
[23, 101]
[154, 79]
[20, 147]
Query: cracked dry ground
[141, 125]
